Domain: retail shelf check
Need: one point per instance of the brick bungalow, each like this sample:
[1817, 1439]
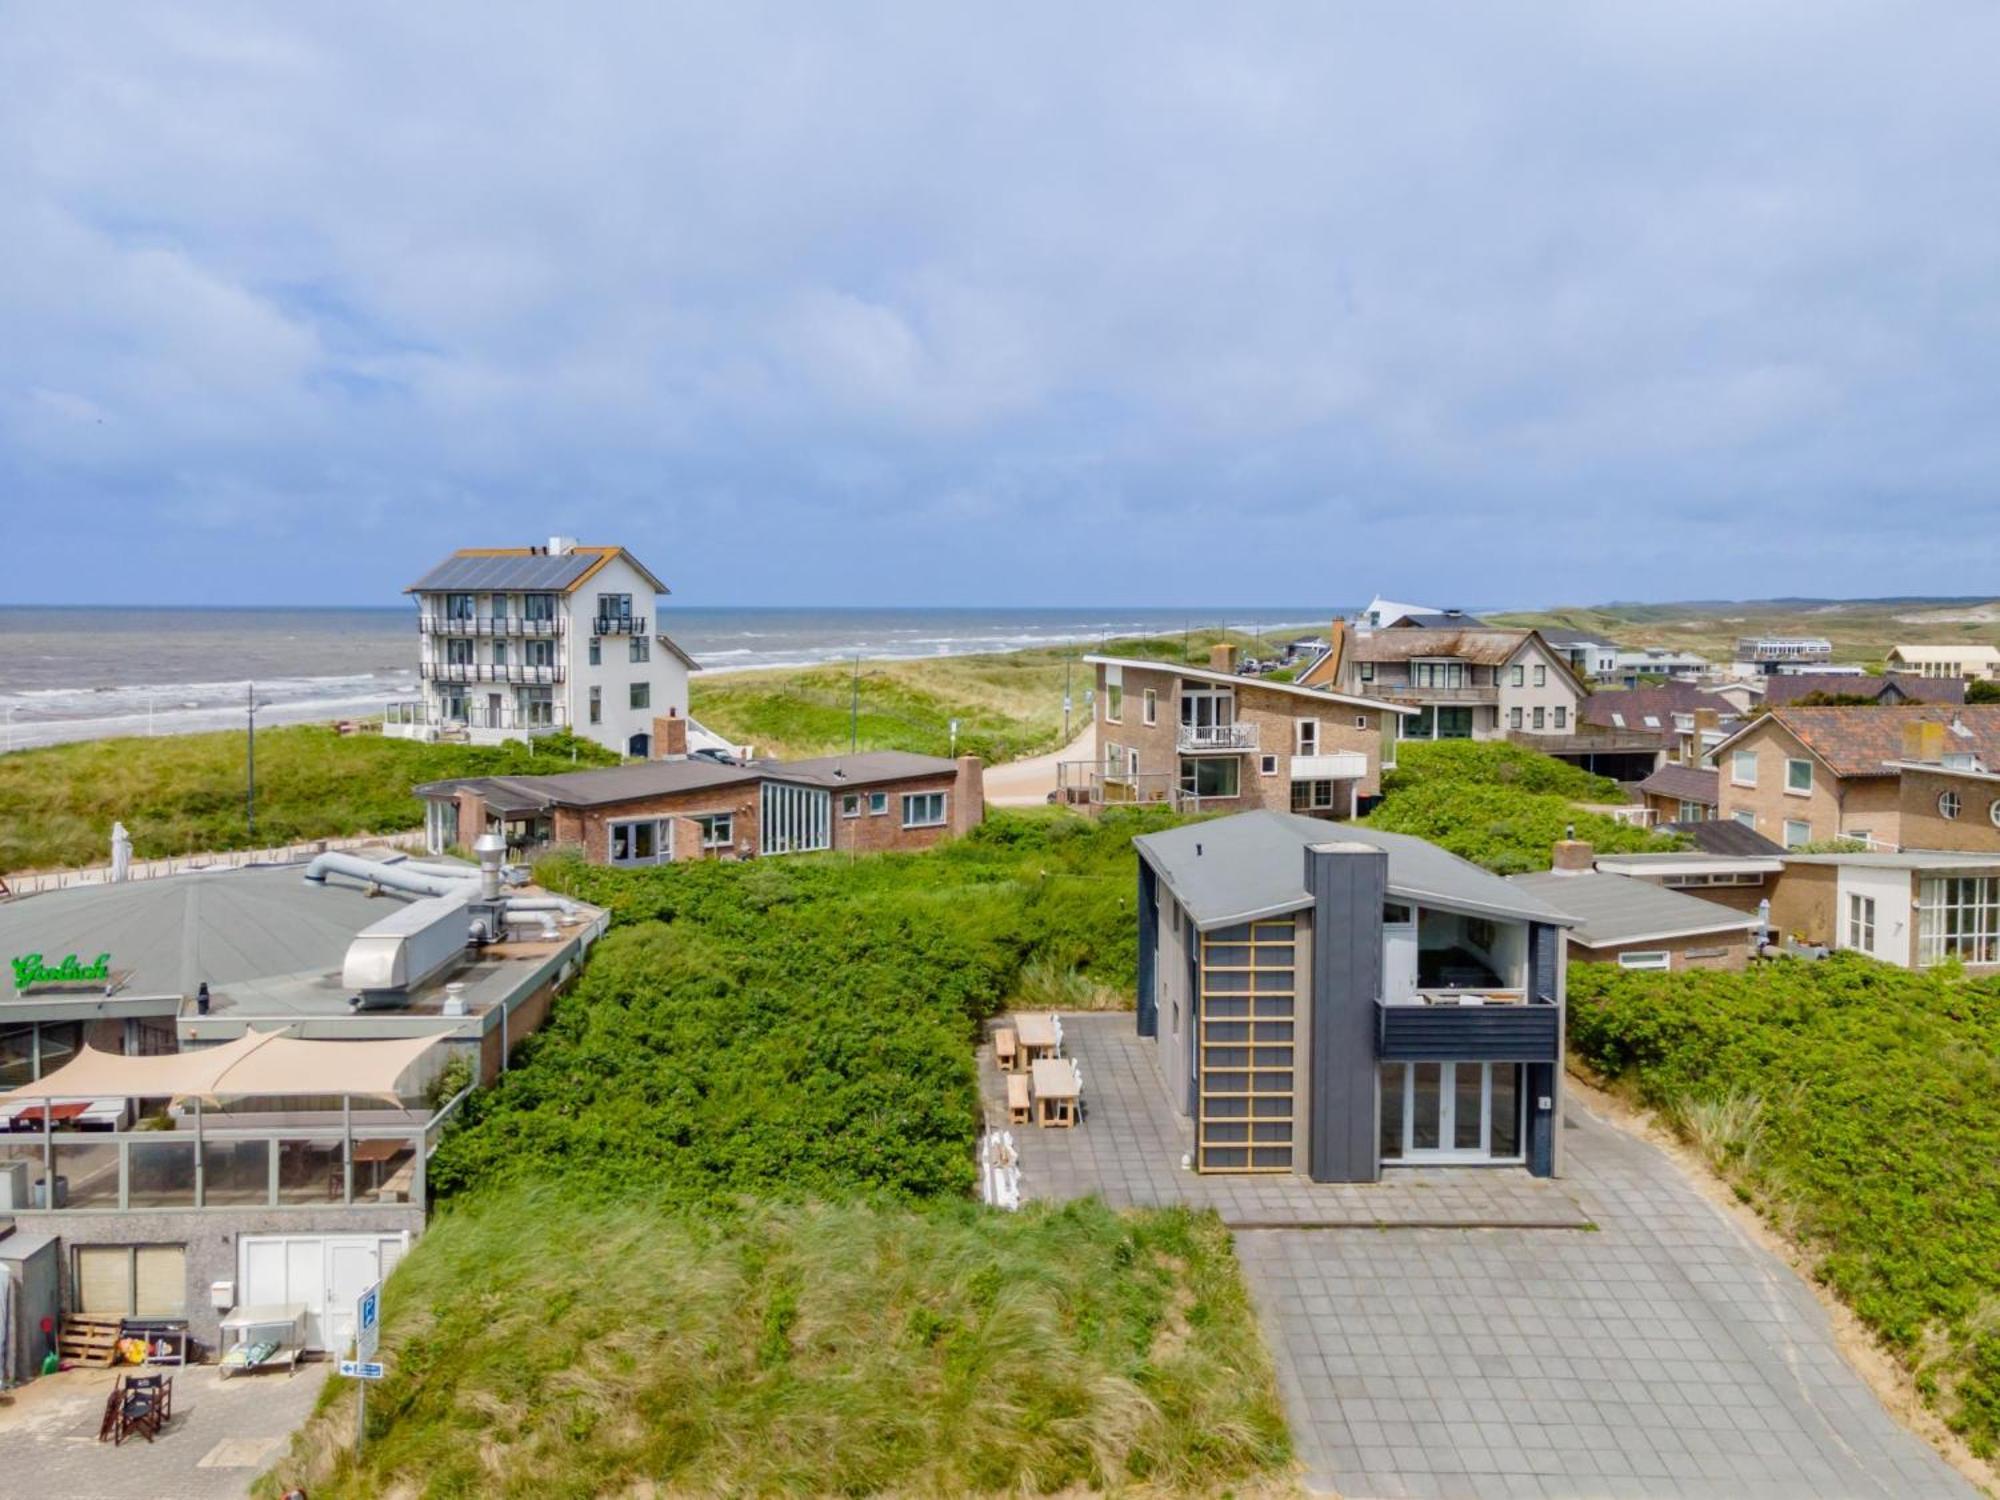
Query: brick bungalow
[661, 812]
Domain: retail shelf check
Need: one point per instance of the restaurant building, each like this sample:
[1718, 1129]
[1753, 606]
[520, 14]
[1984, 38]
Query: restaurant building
[1336, 1001]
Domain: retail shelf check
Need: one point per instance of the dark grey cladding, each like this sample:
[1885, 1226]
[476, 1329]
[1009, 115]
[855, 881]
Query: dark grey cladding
[1347, 884]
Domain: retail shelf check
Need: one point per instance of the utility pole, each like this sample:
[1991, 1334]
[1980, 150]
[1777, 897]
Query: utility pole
[1069, 666]
[854, 711]
[250, 745]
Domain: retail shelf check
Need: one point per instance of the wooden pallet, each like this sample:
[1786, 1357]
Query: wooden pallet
[88, 1340]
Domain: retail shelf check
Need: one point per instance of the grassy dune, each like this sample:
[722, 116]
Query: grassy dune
[537, 1349]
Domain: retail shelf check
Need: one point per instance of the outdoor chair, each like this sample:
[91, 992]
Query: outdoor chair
[140, 1404]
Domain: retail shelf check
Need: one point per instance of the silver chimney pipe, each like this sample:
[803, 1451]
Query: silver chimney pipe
[492, 851]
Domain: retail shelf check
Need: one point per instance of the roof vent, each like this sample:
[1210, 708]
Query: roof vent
[1197, 851]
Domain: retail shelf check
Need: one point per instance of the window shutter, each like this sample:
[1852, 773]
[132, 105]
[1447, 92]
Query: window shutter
[103, 1280]
[161, 1281]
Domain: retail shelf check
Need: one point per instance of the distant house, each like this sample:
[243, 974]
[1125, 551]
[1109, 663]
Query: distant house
[1891, 687]
[669, 812]
[1658, 661]
[1779, 653]
[1212, 740]
[1967, 663]
[1589, 656]
[1640, 924]
[1681, 794]
[1730, 865]
[1340, 1002]
[1685, 721]
[1911, 908]
[1472, 683]
[1895, 777]
[1444, 619]
[1384, 614]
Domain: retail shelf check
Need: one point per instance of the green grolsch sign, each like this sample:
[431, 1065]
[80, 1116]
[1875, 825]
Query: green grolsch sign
[32, 971]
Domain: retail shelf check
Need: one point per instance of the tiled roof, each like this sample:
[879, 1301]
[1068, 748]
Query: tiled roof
[1689, 783]
[1861, 741]
[1790, 687]
[1635, 705]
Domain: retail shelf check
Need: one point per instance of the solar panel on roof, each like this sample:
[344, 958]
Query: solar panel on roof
[529, 572]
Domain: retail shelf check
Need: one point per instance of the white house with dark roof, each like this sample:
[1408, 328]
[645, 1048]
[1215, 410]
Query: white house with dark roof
[516, 641]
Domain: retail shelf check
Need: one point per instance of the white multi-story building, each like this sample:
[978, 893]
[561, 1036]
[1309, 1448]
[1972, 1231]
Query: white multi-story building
[517, 641]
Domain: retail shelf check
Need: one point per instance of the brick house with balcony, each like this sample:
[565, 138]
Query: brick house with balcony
[1914, 776]
[669, 812]
[1464, 684]
[1211, 739]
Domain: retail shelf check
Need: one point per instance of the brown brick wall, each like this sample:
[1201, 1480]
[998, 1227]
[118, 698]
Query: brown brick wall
[1803, 902]
[881, 833]
[590, 827]
[1769, 800]
[1744, 898]
[1718, 950]
[1924, 827]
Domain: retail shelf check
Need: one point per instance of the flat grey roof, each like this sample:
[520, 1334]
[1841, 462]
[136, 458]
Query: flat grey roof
[1908, 859]
[1253, 864]
[857, 770]
[1613, 909]
[1689, 862]
[269, 945]
[652, 778]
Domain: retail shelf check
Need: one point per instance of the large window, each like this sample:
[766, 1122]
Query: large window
[1442, 1111]
[642, 649]
[718, 830]
[639, 842]
[1437, 674]
[130, 1281]
[1210, 776]
[923, 809]
[1245, 1061]
[1798, 776]
[459, 607]
[1312, 796]
[1114, 694]
[798, 819]
[642, 695]
[1743, 768]
[1861, 922]
[1797, 832]
[1959, 918]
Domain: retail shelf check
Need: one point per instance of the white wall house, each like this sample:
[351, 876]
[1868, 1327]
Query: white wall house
[517, 641]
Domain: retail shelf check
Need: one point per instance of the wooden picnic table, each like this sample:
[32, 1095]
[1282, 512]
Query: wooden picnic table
[1056, 1091]
[1037, 1035]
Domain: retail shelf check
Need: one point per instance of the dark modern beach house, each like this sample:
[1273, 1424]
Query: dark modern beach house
[1333, 1000]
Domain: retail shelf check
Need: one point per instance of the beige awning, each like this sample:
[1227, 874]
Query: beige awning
[259, 1064]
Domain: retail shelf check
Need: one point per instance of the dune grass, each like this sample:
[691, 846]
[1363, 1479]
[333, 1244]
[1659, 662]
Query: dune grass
[183, 793]
[540, 1348]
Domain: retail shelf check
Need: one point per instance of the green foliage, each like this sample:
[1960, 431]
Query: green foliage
[181, 794]
[1859, 1105]
[1505, 829]
[1982, 692]
[541, 1347]
[1500, 763]
[800, 1026]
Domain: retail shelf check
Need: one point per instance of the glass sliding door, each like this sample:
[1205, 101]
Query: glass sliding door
[1451, 1112]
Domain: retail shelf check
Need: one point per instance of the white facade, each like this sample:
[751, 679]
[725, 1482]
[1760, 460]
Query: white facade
[507, 663]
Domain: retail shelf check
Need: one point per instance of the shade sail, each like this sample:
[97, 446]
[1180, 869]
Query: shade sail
[259, 1064]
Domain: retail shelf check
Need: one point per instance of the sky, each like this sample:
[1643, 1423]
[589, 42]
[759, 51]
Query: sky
[1040, 305]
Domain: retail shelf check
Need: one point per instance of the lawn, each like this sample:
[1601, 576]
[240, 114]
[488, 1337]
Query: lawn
[1858, 1107]
[182, 794]
[714, 1231]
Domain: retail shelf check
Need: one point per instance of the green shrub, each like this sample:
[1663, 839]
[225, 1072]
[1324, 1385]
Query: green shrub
[1504, 828]
[1500, 763]
[1860, 1105]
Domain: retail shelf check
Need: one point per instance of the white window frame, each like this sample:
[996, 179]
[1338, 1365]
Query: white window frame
[878, 804]
[1152, 705]
[1743, 817]
[1993, 812]
[1737, 760]
[663, 842]
[1806, 838]
[850, 804]
[1114, 695]
[1520, 675]
[1798, 791]
[914, 800]
[639, 695]
[1515, 718]
[718, 830]
[1949, 805]
[1651, 961]
[1540, 717]
[1972, 931]
[1562, 716]
[1267, 765]
[1861, 921]
[1305, 737]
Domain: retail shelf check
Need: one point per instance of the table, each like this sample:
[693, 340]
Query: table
[1055, 1091]
[1037, 1035]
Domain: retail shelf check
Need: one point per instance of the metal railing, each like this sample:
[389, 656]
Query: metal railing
[1197, 737]
[491, 625]
[1411, 693]
[618, 625]
[550, 715]
[1082, 781]
[230, 859]
[516, 672]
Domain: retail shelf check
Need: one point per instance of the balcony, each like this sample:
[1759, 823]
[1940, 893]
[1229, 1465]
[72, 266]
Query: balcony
[488, 625]
[1472, 1026]
[1334, 765]
[519, 673]
[1404, 692]
[618, 625]
[1196, 739]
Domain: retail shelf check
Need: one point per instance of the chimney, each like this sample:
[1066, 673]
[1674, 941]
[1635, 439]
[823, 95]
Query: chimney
[561, 546]
[1923, 740]
[1573, 857]
[968, 806]
[1222, 657]
[670, 737]
[1705, 719]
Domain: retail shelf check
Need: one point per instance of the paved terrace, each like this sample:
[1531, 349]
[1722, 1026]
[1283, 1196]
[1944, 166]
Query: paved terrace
[1665, 1357]
[1129, 1147]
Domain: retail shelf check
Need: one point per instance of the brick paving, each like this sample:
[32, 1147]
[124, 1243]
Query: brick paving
[1664, 1357]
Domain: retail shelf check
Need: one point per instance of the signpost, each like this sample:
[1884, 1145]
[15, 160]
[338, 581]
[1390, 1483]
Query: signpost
[362, 1368]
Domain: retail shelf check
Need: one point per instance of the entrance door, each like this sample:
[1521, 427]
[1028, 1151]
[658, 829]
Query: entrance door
[640, 747]
[1399, 953]
[1467, 1112]
[494, 718]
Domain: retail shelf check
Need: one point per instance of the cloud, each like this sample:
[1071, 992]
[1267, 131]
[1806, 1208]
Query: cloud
[897, 304]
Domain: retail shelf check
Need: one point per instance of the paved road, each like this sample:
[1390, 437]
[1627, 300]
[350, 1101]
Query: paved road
[1027, 783]
[1667, 1357]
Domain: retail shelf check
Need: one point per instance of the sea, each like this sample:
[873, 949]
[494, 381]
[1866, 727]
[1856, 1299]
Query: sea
[86, 672]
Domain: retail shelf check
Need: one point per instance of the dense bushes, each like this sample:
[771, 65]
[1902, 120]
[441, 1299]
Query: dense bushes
[802, 1026]
[1499, 763]
[184, 793]
[1503, 828]
[1859, 1105]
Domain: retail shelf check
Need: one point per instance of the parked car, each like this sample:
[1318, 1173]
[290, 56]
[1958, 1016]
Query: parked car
[710, 752]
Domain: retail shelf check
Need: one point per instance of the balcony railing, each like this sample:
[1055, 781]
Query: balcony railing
[1405, 692]
[1198, 737]
[489, 625]
[517, 672]
[618, 625]
[1497, 1025]
[478, 716]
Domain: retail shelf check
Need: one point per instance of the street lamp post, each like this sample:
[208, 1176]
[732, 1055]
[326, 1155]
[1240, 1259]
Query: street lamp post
[250, 747]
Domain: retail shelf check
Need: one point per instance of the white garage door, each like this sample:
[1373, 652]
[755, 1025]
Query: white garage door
[327, 1272]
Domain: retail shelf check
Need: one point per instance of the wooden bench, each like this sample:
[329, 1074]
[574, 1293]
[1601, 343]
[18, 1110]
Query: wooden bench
[1017, 1098]
[1006, 1049]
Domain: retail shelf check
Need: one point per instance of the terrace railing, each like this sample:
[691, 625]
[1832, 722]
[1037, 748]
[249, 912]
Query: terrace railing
[489, 625]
